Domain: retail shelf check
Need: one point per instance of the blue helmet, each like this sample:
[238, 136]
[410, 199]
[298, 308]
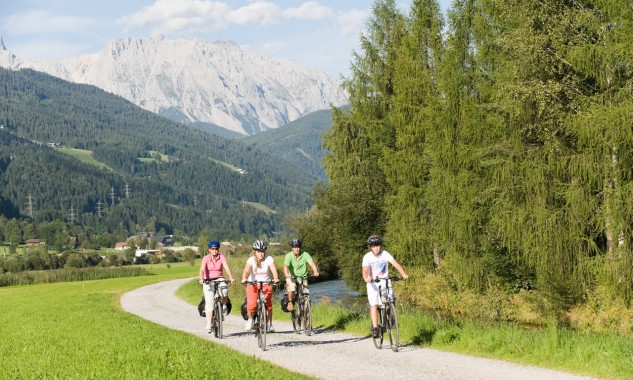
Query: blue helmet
[214, 244]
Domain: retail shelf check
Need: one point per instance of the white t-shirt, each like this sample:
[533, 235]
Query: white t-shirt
[260, 274]
[378, 265]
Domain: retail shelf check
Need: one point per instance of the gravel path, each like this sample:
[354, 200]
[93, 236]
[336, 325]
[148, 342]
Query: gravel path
[326, 354]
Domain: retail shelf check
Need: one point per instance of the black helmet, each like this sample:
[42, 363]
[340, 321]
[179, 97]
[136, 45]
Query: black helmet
[260, 245]
[374, 240]
[214, 244]
[295, 243]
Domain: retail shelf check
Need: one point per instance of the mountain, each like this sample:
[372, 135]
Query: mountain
[137, 170]
[188, 80]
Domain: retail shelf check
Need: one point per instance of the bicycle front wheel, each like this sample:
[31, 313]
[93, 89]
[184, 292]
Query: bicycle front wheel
[392, 327]
[307, 316]
[261, 325]
[217, 320]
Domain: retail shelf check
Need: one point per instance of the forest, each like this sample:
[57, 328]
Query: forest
[494, 152]
[157, 175]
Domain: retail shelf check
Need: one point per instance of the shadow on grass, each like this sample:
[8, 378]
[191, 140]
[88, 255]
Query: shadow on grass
[344, 320]
[424, 337]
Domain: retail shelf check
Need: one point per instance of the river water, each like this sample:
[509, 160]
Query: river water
[335, 292]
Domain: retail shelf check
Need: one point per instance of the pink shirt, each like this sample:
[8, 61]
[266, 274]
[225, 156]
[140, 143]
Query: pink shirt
[213, 269]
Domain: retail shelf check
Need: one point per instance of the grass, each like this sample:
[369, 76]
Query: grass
[76, 330]
[84, 156]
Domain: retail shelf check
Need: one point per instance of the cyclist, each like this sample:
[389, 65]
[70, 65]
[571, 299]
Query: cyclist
[296, 265]
[375, 266]
[258, 268]
[211, 269]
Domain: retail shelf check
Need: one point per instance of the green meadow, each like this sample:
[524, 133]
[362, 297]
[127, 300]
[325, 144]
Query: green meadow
[76, 330]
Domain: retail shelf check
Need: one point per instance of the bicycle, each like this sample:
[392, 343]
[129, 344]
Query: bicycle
[260, 316]
[387, 316]
[302, 314]
[218, 313]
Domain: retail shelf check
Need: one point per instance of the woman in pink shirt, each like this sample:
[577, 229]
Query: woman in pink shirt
[211, 269]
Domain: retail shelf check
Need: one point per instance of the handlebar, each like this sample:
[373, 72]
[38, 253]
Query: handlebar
[394, 278]
[208, 281]
[255, 283]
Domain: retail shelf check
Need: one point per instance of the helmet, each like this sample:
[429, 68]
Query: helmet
[374, 240]
[214, 244]
[295, 243]
[260, 245]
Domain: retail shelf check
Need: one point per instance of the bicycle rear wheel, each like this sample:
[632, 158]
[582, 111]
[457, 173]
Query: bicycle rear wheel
[378, 339]
[261, 325]
[392, 327]
[217, 320]
[307, 316]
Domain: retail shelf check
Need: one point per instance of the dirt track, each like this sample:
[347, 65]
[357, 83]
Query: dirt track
[328, 354]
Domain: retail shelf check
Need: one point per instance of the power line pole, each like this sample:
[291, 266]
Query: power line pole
[71, 214]
[195, 201]
[112, 195]
[29, 205]
[99, 208]
[127, 190]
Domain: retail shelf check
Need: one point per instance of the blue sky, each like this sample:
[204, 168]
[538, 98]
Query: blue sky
[315, 34]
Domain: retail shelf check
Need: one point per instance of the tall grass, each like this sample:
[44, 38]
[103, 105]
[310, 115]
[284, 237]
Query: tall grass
[69, 274]
[76, 330]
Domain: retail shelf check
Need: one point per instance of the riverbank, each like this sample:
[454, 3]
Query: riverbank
[602, 356]
[328, 353]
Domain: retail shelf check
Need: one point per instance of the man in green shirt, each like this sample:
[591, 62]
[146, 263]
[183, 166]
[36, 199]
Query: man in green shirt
[296, 268]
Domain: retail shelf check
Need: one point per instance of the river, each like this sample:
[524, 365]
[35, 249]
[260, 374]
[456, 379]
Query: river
[335, 292]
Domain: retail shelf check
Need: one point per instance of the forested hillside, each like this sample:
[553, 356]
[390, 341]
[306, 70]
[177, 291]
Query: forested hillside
[299, 141]
[495, 156]
[165, 176]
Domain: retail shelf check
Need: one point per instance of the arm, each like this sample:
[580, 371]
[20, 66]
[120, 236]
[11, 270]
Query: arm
[245, 272]
[399, 268]
[202, 270]
[227, 269]
[273, 269]
[366, 277]
[286, 272]
[315, 271]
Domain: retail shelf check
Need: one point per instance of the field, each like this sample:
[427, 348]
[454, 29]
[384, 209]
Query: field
[76, 330]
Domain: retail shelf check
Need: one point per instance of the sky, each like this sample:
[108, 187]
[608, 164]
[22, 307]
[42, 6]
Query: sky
[319, 34]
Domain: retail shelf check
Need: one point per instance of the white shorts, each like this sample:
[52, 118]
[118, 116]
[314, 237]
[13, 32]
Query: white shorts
[207, 289]
[373, 296]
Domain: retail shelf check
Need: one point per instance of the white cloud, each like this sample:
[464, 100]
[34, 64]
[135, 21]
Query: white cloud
[308, 11]
[35, 22]
[259, 12]
[352, 23]
[167, 15]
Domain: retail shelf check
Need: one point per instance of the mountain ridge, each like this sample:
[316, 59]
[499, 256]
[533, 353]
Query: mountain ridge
[190, 80]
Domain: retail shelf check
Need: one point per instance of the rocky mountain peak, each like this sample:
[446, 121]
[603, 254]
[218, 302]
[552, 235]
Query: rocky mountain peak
[191, 80]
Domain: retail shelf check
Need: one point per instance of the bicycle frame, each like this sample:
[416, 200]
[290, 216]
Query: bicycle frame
[260, 316]
[217, 310]
[387, 316]
[302, 315]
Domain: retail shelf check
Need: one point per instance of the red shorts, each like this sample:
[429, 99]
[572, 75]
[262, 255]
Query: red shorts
[251, 297]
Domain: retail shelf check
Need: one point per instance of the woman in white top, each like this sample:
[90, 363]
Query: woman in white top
[258, 268]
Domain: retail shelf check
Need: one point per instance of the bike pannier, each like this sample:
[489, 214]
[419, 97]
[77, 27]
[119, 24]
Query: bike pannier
[201, 308]
[284, 303]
